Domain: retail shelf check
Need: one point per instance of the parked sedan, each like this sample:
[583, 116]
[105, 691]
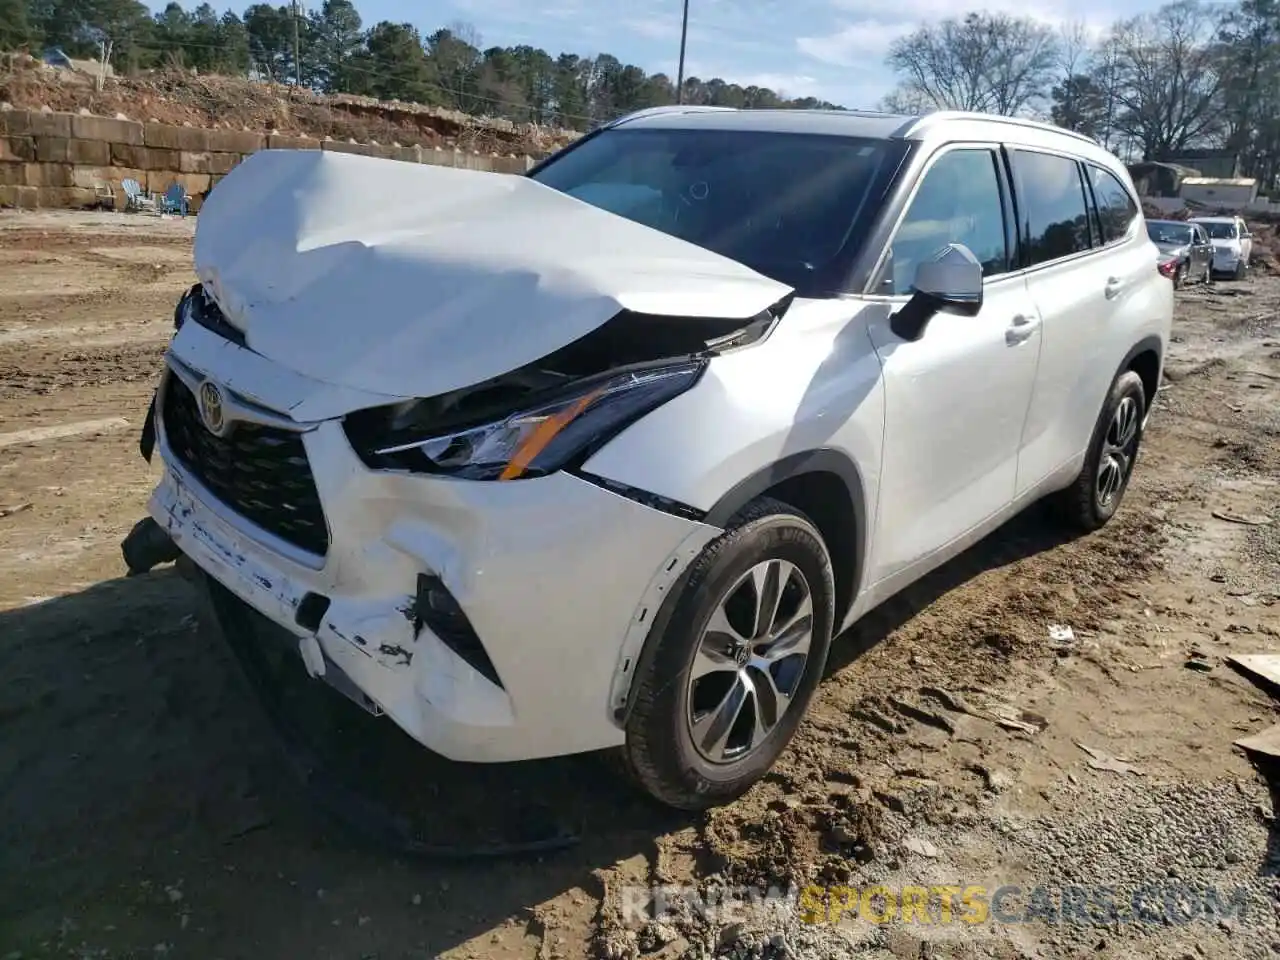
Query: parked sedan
[1185, 250]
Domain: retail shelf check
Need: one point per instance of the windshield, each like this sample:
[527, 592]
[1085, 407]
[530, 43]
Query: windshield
[1161, 232]
[780, 203]
[1220, 231]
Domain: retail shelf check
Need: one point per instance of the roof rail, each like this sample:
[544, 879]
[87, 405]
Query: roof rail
[667, 108]
[918, 125]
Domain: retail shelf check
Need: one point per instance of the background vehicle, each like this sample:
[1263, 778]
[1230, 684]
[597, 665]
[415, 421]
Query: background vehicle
[1232, 244]
[1188, 244]
[622, 489]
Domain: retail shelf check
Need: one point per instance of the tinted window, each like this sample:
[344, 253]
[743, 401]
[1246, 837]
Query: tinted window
[1116, 208]
[958, 201]
[1055, 218]
[1162, 231]
[781, 203]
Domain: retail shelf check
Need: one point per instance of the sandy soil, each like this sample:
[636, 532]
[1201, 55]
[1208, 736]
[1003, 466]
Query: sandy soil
[142, 811]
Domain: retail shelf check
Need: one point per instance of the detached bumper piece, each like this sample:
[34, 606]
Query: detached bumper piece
[147, 546]
[264, 651]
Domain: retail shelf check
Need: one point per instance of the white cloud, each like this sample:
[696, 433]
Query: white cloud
[858, 44]
[653, 29]
[864, 29]
[791, 84]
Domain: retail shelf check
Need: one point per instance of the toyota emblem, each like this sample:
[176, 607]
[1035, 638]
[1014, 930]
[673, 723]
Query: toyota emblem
[211, 408]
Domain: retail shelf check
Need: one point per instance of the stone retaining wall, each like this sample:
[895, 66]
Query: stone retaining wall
[61, 159]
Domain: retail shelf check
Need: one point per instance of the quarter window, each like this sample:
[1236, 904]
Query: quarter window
[1055, 216]
[958, 201]
[1116, 208]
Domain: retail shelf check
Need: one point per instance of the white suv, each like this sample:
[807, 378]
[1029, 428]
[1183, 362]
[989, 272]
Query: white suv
[605, 456]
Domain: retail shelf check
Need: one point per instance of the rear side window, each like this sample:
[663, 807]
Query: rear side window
[1051, 197]
[1116, 208]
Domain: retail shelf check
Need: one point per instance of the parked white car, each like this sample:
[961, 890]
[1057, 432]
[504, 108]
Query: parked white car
[534, 475]
[1232, 244]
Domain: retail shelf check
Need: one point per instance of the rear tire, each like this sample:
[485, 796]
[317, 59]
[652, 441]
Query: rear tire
[726, 687]
[1094, 496]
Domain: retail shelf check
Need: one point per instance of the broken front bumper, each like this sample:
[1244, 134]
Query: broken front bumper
[558, 577]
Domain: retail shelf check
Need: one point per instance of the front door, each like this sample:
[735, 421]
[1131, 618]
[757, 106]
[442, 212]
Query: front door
[956, 399]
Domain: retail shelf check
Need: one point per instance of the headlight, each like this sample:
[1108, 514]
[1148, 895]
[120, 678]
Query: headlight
[544, 438]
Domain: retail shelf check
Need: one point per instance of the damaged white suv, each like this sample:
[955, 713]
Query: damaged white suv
[606, 455]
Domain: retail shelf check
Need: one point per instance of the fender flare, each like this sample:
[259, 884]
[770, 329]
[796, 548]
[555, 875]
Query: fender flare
[796, 465]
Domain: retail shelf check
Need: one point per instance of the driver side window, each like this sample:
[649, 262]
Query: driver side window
[958, 201]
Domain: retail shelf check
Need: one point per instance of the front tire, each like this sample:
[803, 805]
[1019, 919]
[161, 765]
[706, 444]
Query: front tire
[1180, 277]
[1241, 271]
[738, 657]
[1094, 496]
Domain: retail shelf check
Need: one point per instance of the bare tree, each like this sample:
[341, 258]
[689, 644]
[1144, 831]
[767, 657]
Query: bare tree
[992, 63]
[907, 101]
[1249, 54]
[1168, 89]
[1075, 48]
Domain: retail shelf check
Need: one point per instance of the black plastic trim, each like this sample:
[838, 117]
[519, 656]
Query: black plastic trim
[311, 611]
[147, 441]
[654, 501]
[1148, 344]
[449, 622]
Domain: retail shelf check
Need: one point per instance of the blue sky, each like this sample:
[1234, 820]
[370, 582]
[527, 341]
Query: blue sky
[828, 48]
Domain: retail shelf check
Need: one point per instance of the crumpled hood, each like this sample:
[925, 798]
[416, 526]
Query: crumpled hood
[415, 280]
[1172, 249]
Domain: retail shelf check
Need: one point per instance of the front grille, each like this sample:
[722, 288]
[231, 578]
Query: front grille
[260, 472]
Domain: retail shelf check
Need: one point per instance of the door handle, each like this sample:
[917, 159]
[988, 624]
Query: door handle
[1113, 287]
[1021, 329]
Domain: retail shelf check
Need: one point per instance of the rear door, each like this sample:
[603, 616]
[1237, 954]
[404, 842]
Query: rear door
[1083, 260]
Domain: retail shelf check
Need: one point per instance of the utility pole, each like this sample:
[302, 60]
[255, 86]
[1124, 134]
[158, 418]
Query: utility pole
[297, 56]
[684, 35]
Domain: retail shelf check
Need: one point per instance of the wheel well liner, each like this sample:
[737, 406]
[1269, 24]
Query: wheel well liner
[1145, 358]
[827, 486]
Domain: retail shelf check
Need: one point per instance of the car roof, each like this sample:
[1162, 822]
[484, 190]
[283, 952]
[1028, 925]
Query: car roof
[1213, 219]
[939, 127]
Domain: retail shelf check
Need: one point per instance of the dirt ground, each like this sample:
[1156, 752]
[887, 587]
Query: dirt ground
[142, 811]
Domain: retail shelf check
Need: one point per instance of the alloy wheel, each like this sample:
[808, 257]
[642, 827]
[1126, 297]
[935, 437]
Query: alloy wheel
[750, 661]
[1118, 449]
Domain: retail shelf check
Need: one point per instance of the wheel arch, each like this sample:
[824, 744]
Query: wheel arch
[825, 485]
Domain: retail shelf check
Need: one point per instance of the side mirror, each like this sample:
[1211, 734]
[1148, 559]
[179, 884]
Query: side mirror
[951, 282]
